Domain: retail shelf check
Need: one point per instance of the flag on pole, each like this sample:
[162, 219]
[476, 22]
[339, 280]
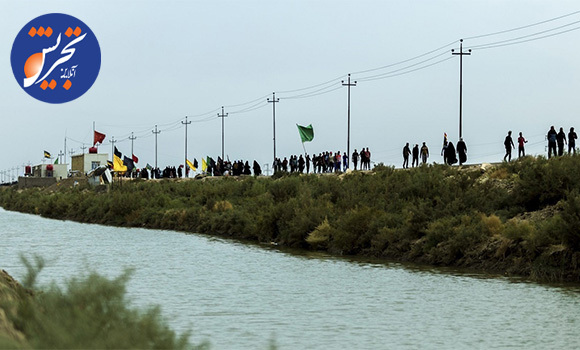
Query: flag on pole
[203, 165]
[135, 159]
[306, 133]
[46, 154]
[190, 165]
[98, 138]
[56, 161]
[148, 166]
[128, 163]
[195, 164]
[118, 162]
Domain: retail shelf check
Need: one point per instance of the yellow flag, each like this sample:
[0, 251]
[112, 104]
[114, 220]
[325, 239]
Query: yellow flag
[203, 165]
[190, 165]
[118, 164]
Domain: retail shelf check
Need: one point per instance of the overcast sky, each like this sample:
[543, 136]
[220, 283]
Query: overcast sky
[164, 60]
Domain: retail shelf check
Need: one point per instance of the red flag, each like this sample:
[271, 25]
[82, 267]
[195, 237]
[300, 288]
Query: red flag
[135, 159]
[98, 138]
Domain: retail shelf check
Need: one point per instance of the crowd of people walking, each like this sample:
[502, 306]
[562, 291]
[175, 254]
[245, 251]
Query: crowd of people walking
[324, 162]
[329, 162]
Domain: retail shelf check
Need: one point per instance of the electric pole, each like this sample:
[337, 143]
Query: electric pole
[461, 54]
[132, 138]
[274, 100]
[112, 141]
[71, 152]
[60, 154]
[83, 148]
[222, 116]
[349, 84]
[156, 132]
[186, 123]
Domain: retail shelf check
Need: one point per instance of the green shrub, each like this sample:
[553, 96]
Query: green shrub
[91, 312]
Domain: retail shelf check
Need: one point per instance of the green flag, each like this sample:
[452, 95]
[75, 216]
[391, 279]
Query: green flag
[306, 132]
[56, 161]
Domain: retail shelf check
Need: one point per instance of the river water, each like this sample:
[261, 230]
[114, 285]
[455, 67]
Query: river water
[240, 296]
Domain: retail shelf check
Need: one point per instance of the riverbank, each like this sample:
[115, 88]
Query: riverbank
[520, 218]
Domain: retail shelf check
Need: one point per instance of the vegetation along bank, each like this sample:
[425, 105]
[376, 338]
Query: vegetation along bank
[520, 218]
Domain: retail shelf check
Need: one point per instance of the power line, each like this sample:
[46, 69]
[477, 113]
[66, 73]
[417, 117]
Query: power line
[522, 27]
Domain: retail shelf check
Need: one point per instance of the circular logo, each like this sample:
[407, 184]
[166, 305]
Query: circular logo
[55, 58]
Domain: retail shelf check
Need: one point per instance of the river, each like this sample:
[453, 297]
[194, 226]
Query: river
[243, 296]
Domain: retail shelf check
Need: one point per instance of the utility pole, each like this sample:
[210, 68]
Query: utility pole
[222, 116]
[112, 141]
[349, 84]
[274, 100]
[461, 54]
[83, 147]
[156, 132]
[60, 154]
[64, 148]
[132, 138]
[186, 123]
[71, 152]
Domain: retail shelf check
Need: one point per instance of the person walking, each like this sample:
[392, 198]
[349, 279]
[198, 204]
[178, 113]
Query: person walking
[521, 142]
[572, 141]
[424, 153]
[561, 139]
[462, 151]
[509, 144]
[450, 154]
[551, 141]
[415, 156]
[406, 154]
[443, 153]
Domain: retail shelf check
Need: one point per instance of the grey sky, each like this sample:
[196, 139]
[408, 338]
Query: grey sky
[163, 60]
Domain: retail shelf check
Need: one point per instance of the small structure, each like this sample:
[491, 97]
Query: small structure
[58, 171]
[84, 163]
[43, 175]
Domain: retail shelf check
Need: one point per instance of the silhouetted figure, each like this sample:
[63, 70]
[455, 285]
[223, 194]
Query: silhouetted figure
[551, 141]
[415, 156]
[307, 164]
[572, 141]
[354, 158]
[462, 151]
[521, 148]
[257, 169]
[561, 139]
[406, 154]
[424, 153]
[509, 144]
[247, 169]
[450, 154]
[445, 142]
